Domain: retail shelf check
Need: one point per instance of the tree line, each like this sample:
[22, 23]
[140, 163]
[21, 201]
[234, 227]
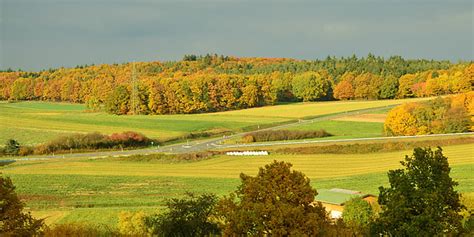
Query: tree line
[216, 83]
[420, 200]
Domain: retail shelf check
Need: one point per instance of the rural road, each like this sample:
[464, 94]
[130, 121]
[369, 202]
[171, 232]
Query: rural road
[216, 143]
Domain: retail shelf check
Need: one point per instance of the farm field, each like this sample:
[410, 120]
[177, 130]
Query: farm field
[36, 122]
[344, 129]
[79, 189]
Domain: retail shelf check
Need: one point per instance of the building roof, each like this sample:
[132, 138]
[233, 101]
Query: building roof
[338, 196]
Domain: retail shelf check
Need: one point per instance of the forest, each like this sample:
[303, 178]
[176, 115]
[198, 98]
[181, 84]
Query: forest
[212, 83]
[452, 114]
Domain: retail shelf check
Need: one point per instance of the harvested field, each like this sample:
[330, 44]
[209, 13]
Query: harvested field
[375, 118]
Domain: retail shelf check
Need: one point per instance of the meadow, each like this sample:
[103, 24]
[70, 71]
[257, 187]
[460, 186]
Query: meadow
[345, 129]
[98, 189]
[32, 122]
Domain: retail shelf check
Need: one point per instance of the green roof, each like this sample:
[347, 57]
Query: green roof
[337, 196]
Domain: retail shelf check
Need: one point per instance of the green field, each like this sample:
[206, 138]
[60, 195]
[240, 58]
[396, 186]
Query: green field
[345, 129]
[97, 190]
[36, 122]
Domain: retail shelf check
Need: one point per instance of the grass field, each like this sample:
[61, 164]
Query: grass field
[36, 122]
[345, 129]
[84, 189]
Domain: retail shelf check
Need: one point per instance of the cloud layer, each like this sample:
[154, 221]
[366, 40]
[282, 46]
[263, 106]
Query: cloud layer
[52, 33]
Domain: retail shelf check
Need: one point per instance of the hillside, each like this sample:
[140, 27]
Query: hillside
[216, 83]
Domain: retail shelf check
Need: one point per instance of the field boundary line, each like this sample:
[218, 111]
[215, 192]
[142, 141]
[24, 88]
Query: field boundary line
[340, 140]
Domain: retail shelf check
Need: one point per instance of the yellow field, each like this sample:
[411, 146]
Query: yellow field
[309, 109]
[375, 118]
[314, 166]
[36, 122]
[84, 190]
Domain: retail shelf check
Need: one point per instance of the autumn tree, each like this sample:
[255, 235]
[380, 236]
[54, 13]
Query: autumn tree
[281, 86]
[406, 83]
[399, 121]
[358, 214]
[118, 102]
[421, 198]
[367, 86]
[440, 115]
[13, 221]
[277, 202]
[23, 89]
[210, 83]
[189, 216]
[250, 94]
[389, 87]
[344, 91]
[310, 86]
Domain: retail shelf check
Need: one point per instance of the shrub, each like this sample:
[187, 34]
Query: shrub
[128, 139]
[25, 150]
[185, 157]
[79, 229]
[277, 135]
[12, 147]
[132, 224]
[371, 147]
[94, 141]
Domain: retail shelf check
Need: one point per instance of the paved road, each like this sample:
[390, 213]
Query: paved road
[281, 143]
[216, 143]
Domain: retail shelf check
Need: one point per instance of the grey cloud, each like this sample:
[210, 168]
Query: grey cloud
[52, 33]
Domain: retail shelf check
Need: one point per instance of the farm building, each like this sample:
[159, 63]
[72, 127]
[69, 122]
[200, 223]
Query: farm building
[333, 199]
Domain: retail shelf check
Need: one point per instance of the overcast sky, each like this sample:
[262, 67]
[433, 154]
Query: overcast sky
[39, 34]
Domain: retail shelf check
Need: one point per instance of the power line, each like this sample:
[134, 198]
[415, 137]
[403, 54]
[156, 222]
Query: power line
[134, 98]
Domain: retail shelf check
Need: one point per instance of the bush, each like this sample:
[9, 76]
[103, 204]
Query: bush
[371, 147]
[25, 150]
[91, 141]
[12, 147]
[128, 139]
[132, 224]
[185, 157]
[79, 229]
[278, 135]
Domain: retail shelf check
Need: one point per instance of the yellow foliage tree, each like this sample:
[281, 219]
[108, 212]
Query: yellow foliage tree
[132, 224]
[400, 121]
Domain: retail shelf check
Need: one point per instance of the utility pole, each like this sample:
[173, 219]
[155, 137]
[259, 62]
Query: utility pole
[134, 95]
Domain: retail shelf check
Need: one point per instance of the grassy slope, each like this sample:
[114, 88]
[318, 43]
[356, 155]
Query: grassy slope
[302, 110]
[72, 190]
[345, 129]
[36, 122]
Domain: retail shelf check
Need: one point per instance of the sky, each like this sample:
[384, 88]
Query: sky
[42, 34]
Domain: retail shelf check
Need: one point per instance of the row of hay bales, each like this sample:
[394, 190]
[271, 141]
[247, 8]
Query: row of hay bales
[247, 153]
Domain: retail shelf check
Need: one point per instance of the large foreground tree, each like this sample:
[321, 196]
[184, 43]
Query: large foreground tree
[421, 200]
[277, 202]
[13, 221]
[189, 216]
